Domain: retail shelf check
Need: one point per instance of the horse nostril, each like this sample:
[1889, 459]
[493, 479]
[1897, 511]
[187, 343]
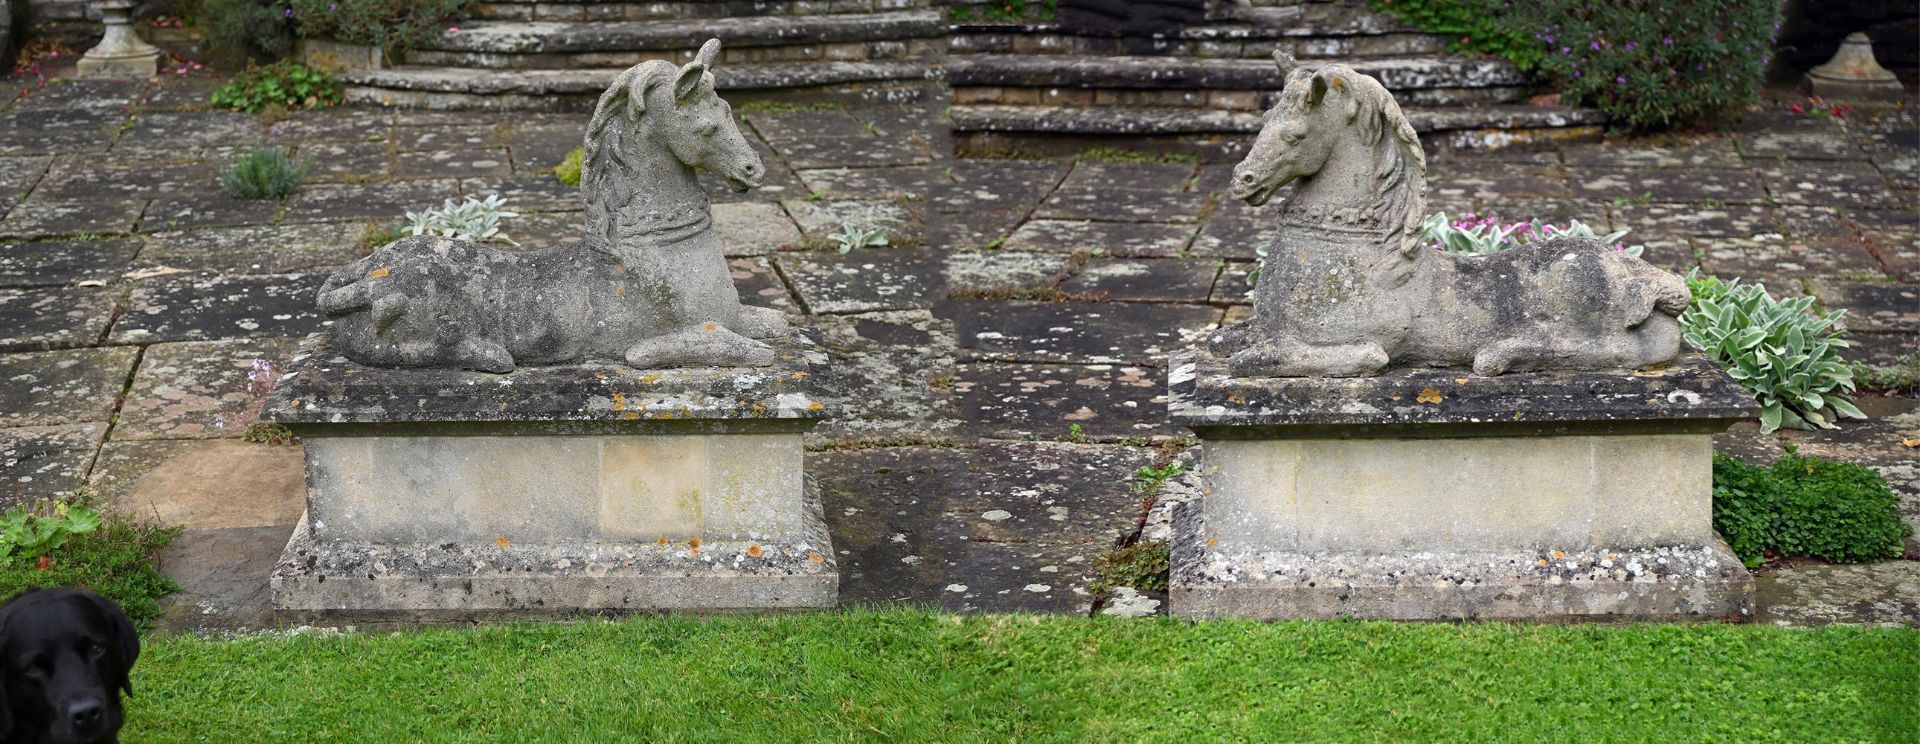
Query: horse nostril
[85, 713]
[1246, 178]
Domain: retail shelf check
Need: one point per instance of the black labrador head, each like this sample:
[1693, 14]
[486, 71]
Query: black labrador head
[65, 656]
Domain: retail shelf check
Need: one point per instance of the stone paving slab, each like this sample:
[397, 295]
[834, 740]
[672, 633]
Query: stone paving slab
[59, 263]
[1844, 184]
[759, 284]
[256, 249]
[346, 162]
[179, 135]
[1877, 307]
[45, 462]
[1148, 280]
[754, 228]
[1013, 401]
[1819, 594]
[820, 220]
[206, 208]
[1075, 332]
[51, 388]
[1003, 271]
[1727, 220]
[202, 389]
[62, 217]
[203, 307]
[863, 281]
[54, 318]
[1122, 205]
[1127, 239]
[890, 182]
[1711, 153]
[341, 202]
[895, 372]
[1701, 185]
[51, 131]
[203, 484]
[886, 503]
[977, 185]
[1773, 259]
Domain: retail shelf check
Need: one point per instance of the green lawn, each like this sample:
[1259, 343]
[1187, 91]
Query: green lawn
[917, 676]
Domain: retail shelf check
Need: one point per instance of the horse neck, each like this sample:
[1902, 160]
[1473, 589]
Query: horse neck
[642, 193]
[1375, 186]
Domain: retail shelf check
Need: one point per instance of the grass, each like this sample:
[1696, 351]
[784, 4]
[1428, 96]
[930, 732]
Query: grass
[116, 560]
[918, 676]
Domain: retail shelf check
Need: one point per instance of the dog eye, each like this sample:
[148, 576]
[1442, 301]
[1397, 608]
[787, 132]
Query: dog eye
[99, 651]
[34, 670]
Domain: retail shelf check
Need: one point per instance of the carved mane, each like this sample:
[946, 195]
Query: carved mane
[1399, 165]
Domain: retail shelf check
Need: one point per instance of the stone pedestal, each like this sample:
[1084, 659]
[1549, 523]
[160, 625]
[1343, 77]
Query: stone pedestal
[553, 490]
[1436, 494]
[121, 53]
[1853, 74]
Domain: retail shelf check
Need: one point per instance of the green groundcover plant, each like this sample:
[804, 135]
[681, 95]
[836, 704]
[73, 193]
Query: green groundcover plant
[913, 675]
[1649, 64]
[67, 544]
[284, 84]
[1805, 506]
[264, 173]
[1780, 350]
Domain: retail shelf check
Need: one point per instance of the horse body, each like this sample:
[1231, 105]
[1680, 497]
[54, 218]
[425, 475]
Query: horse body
[648, 286]
[1348, 288]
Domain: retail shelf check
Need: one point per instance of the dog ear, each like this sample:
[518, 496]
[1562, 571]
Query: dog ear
[126, 643]
[6, 700]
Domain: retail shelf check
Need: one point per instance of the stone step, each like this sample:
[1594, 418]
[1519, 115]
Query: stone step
[505, 39]
[1209, 41]
[1075, 71]
[666, 10]
[1465, 127]
[564, 90]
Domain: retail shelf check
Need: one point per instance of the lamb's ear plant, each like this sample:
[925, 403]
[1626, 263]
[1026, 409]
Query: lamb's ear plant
[850, 237]
[1780, 350]
[1473, 235]
[473, 219]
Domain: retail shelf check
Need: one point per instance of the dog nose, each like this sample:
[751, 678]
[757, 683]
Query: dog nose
[85, 714]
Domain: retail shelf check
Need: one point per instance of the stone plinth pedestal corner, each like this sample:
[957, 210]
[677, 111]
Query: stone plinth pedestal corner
[1437, 494]
[447, 494]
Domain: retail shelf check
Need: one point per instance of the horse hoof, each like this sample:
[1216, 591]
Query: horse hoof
[760, 322]
[485, 356]
[700, 347]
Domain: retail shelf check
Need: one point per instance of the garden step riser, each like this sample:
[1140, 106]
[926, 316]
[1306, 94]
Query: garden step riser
[913, 49]
[501, 37]
[1314, 18]
[683, 9]
[1303, 47]
[1400, 75]
[1145, 121]
[1253, 101]
[583, 101]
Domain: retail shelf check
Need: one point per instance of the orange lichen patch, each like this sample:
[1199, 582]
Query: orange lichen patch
[1910, 442]
[1558, 554]
[599, 375]
[693, 542]
[816, 557]
[377, 273]
[1459, 380]
[630, 415]
[799, 375]
[1339, 83]
[619, 401]
[815, 406]
[649, 379]
[1543, 561]
[1428, 395]
[1213, 542]
[664, 542]
[619, 290]
[503, 541]
[710, 327]
[1236, 400]
[754, 551]
[663, 415]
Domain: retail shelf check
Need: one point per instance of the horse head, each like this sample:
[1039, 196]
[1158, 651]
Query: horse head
[1298, 135]
[688, 117]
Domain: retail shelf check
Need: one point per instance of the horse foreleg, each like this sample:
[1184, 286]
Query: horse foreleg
[760, 322]
[707, 345]
[483, 355]
[1278, 358]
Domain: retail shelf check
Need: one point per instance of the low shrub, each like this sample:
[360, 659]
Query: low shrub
[1780, 350]
[1649, 64]
[1805, 506]
[265, 173]
[284, 84]
[241, 30]
[568, 171]
[113, 556]
[392, 25]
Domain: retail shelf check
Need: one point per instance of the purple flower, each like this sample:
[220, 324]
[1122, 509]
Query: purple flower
[1632, 45]
[1595, 45]
[1621, 79]
[1564, 50]
[1667, 41]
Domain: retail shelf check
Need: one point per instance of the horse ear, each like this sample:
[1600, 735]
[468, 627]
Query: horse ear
[689, 80]
[709, 54]
[1286, 62]
[1319, 89]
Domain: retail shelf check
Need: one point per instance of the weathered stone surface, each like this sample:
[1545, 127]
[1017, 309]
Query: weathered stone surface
[258, 249]
[1727, 220]
[37, 319]
[1202, 395]
[1773, 259]
[1075, 332]
[224, 579]
[886, 182]
[1492, 184]
[1885, 594]
[45, 462]
[44, 131]
[1706, 153]
[202, 389]
[18, 176]
[868, 151]
[53, 264]
[330, 202]
[759, 284]
[347, 162]
[1854, 185]
[52, 217]
[1012, 401]
[895, 374]
[203, 485]
[322, 387]
[1122, 205]
[51, 388]
[754, 228]
[974, 186]
[863, 281]
[1688, 185]
[182, 134]
[206, 208]
[1093, 175]
[820, 220]
[1152, 280]
[1129, 239]
[1872, 307]
[884, 506]
[203, 307]
[1232, 237]
[1002, 271]
[477, 162]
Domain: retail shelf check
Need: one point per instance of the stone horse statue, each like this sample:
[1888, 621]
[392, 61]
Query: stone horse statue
[649, 285]
[1349, 286]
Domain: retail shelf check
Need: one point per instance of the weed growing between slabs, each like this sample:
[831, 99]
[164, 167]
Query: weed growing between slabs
[914, 675]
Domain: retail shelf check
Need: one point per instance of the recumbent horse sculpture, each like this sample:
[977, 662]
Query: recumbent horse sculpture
[649, 285]
[1349, 287]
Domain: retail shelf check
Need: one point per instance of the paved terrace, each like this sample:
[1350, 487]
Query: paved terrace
[1004, 354]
